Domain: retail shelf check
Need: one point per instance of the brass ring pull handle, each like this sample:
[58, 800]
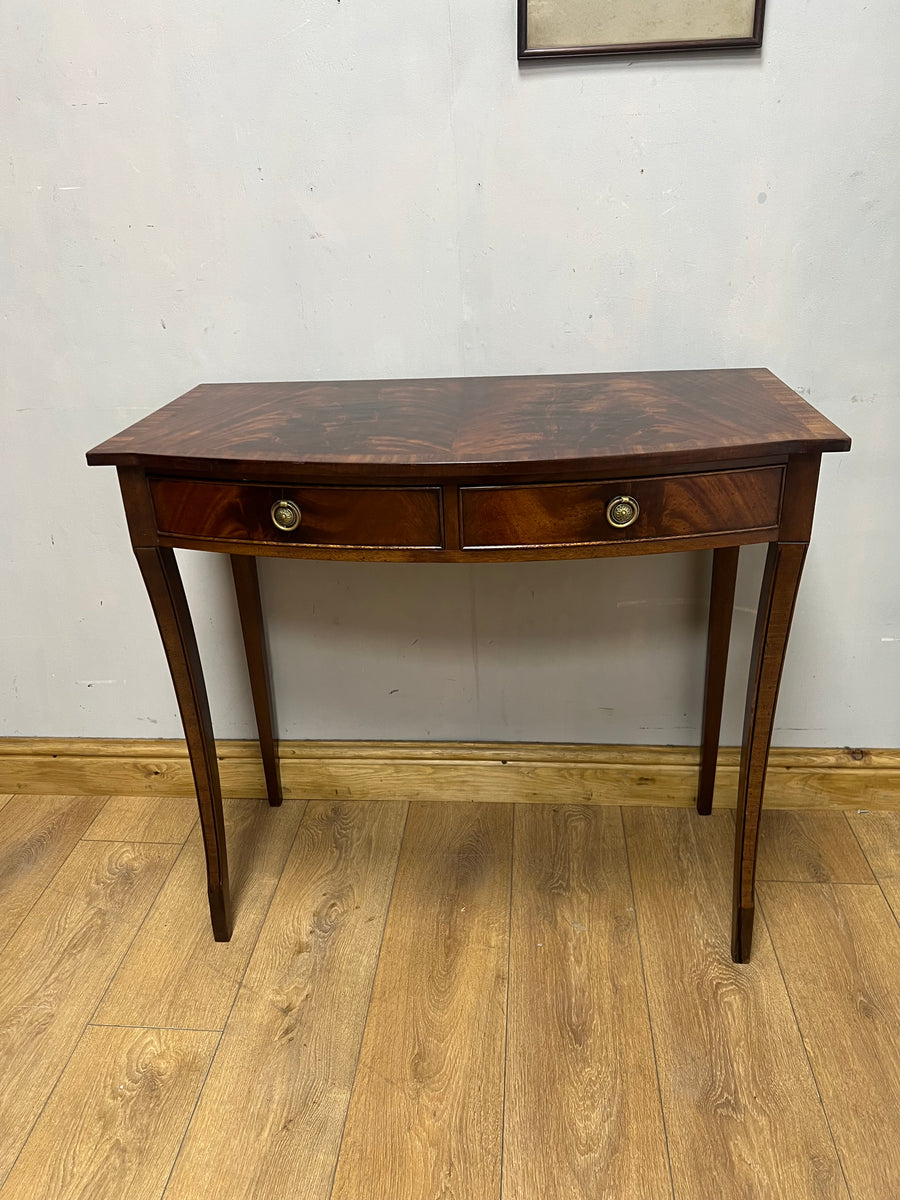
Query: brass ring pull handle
[285, 515]
[622, 511]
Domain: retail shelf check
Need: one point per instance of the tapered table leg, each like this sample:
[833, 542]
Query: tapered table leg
[721, 609]
[163, 581]
[246, 586]
[778, 595]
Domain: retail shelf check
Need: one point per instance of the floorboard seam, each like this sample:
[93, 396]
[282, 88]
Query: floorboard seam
[823, 882]
[362, 1035]
[875, 874]
[512, 859]
[803, 1044]
[237, 992]
[637, 929]
[139, 841]
[187, 1124]
[62, 1071]
[231, 1009]
[140, 926]
[31, 1128]
[167, 1028]
[43, 890]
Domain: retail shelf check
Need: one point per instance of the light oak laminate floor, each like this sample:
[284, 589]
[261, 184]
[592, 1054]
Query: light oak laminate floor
[444, 1001]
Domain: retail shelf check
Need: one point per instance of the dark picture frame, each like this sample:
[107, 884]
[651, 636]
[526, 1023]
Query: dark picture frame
[596, 28]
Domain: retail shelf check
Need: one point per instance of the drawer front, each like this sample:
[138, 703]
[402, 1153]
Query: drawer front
[353, 517]
[574, 514]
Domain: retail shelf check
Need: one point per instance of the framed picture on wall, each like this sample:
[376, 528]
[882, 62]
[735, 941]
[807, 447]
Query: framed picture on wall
[563, 28]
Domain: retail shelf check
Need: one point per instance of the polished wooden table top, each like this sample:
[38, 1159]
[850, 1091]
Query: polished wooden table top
[557, 426]
[469, 470]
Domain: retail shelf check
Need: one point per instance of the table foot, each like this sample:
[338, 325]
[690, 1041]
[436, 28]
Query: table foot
[742, 935]
[220, 914]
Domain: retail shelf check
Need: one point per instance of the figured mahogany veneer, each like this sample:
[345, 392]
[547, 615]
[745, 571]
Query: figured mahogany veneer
[673, 507]
[469, 470]
[542, 426]
[352, 518]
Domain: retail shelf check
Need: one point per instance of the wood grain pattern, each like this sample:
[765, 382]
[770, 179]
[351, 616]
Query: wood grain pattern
[839, 950]
[288, 1055]
[741, 1109]
[804, 847]
[114, 1122]
[583, 1117]
[274, 1119]
[330, 516]
[461, 427]
[36, 837]
[57, 965]
[879, 836]
[814, 778]
[144, 819]
[425, 1117]
[857, 759]
[174, 974]
[670, 507]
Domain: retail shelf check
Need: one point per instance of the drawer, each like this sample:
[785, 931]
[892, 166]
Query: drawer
[353, 517]
[573, 514]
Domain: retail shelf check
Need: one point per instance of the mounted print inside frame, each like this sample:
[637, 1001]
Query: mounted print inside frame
[561, 28]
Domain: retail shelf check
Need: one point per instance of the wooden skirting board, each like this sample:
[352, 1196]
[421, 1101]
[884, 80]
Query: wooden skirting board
[522, 772]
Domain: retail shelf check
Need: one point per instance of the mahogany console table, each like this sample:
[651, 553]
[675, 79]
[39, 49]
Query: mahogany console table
[478, 470]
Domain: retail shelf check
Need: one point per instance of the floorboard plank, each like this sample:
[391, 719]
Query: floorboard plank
[583, 1117]
[740, 1103]
[742, 1113]
[37, 834]
[808, 847]
[283, 1072]
[56, 966]
[425, 1118]
[839, 950]
[144, 819]
[879, 836]
[175, 974]
[114, 1122]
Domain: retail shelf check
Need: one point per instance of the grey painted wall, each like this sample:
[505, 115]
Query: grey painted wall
[324, 189]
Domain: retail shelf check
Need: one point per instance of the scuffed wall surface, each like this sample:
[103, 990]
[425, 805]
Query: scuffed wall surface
[334, 190]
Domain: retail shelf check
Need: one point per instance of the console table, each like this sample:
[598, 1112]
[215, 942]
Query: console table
[478, 470]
